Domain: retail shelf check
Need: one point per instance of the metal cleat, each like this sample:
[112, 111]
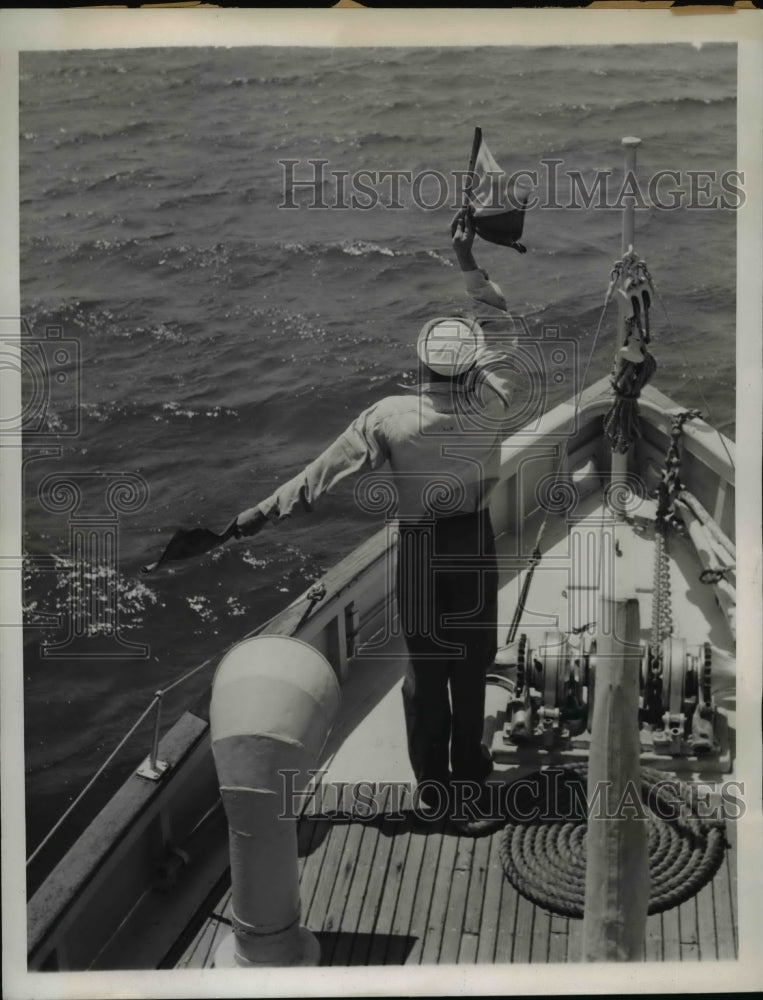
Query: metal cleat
[702, 740]
[671, 739]
[519, 728]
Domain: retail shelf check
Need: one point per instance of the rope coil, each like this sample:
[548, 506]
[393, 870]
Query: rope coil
[545, 859]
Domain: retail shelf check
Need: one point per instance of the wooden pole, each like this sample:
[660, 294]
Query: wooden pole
[617, 863]
[476, 143]
[725, 594]
[630, 144]
[723, 545]
[619, 467]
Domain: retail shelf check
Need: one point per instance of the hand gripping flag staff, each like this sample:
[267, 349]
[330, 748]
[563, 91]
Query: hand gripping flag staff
[497, 202]
[497, 206]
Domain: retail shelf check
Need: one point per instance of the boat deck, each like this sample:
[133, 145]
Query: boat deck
[395, 889]
[399, 892]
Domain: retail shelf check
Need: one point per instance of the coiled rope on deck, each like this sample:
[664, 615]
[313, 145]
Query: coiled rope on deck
[544, 855]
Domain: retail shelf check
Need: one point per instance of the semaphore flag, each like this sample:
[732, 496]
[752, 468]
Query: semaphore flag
[498, 204]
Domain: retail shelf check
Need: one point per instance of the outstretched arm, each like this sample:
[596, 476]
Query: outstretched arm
[360, 447]
[249, 522]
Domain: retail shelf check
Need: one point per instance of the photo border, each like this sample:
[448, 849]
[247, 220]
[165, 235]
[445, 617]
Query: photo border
[78, 29]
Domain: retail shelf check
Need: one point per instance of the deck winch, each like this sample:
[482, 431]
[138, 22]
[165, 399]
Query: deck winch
[677, 705]
[552, 689]
[552, 686]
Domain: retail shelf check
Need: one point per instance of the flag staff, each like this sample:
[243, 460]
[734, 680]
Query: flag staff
[476, 143]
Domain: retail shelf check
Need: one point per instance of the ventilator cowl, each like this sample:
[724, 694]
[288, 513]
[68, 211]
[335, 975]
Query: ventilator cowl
[274, 701]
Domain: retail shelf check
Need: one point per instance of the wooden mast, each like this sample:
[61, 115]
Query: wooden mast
[620, 459]
[617, 862]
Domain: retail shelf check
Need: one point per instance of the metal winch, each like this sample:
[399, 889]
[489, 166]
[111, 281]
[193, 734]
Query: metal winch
[552, 690]
[677, 708]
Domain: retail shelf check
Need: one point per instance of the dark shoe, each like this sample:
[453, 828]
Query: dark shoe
[432, 799]
[482, 770]
[478, 827]
[476, 815]
[486, 764]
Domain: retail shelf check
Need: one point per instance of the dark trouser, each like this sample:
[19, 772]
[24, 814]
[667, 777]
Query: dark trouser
[447, 567]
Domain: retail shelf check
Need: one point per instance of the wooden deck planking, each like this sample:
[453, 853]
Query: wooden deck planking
[409, 887]
[401, 890]
[653, 944]
[312, 863]
[367, 922]
[689, 930]
[354, 895]
[400, 836]
[541, 934]
[329, 851]
[522, 942]
[334, 910]
[455, 914]
[322, 840]
[731, 865]
[671, 936]
[201, 952]
[491, 903]
[706, 936]
[424, 892]
[557, 941]
[476, 892]
[574, 940]
[725, 928]
[222, 926]
[508, 914]
[440, 896]
[398, 890]
[467, 953]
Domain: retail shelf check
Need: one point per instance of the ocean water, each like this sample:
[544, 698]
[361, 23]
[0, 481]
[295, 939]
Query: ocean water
[221, 342]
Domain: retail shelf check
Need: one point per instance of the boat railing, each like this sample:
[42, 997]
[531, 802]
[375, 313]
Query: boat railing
[322, 629]
[151, 767]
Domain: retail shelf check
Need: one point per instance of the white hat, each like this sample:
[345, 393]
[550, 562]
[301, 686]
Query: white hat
[448, 345]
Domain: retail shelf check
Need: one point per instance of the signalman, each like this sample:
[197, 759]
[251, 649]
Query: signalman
[442, 445]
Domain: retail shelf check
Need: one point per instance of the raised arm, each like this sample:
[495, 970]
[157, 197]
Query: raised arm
[484, 291]
[491, 364]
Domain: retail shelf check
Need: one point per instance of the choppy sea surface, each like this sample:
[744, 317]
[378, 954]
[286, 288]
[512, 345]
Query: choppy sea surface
[216, 343]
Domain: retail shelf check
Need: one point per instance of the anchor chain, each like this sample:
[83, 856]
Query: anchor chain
[662, 608]
[671, 484]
